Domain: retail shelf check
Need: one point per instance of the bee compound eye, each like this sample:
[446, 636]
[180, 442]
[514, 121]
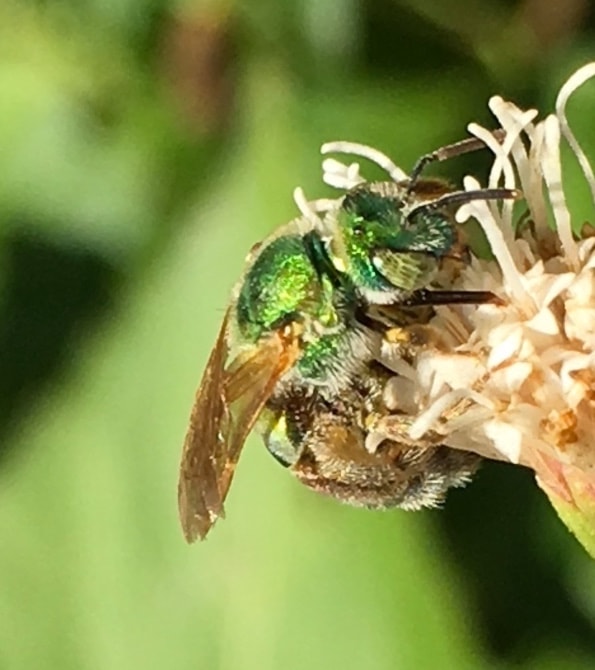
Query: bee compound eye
[278, 443]
[282, 451]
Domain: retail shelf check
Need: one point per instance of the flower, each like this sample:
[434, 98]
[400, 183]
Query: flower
[516, 380]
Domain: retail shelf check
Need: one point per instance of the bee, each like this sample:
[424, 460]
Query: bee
[298, 353]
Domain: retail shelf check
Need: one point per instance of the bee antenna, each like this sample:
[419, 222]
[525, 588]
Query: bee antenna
[462, 197]
[467, 146]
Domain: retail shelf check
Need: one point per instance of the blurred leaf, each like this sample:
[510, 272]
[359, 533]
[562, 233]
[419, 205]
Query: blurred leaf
[89, 144]
[89, 521]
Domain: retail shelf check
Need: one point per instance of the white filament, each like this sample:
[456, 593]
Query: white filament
[339, 175]
[581, 76]
[552, 173]
[354, 149]
[513, 280]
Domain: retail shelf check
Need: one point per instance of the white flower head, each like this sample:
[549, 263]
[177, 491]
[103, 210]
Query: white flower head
[512, 380]
[517, 379]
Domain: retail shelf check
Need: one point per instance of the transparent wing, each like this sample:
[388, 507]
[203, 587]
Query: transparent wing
[226, 406]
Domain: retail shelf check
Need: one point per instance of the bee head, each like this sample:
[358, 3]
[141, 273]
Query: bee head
[387, 245]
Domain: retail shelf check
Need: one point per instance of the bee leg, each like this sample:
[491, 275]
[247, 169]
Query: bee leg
[402, 473]
[394, 428]
[411, 340]
[396, 425]
[447, 297]
[432, 467]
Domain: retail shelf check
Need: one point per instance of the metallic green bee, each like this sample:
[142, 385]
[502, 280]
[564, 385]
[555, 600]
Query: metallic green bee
[307, 337]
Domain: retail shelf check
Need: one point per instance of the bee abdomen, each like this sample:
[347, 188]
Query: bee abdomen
[439, 469]
[419, 478]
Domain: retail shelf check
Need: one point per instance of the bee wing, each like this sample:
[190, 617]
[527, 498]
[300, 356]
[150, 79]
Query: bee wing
[205, 436]
[226, 406]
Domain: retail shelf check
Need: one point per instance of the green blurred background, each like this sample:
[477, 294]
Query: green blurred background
[144, 147]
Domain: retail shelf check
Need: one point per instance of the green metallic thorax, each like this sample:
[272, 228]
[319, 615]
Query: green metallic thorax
[291, 280]
[281, 284]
